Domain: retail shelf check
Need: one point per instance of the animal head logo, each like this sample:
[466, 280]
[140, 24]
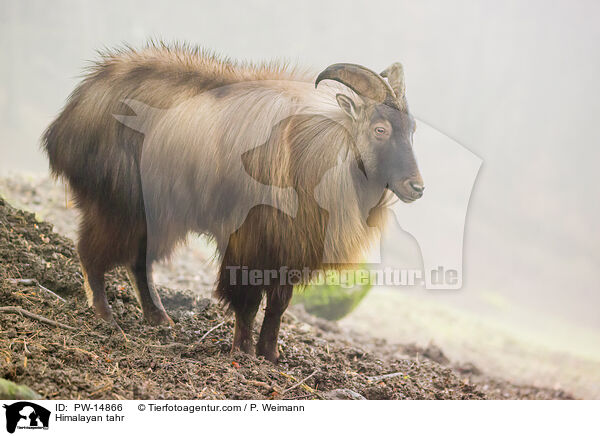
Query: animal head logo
[26, 415]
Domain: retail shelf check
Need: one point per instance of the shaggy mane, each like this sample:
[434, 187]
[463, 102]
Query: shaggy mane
[184, 58]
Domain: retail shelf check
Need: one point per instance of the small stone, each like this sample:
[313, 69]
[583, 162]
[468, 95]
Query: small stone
[202, 305]
[343, 394]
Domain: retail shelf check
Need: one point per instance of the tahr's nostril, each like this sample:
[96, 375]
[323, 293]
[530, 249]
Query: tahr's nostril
[417, 186]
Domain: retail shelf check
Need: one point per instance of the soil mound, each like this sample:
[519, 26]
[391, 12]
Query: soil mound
[51, 342]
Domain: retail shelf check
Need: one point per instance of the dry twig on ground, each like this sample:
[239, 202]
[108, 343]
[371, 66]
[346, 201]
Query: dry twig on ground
[19, 311]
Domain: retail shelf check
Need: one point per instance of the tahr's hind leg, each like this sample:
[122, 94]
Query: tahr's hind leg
[93, 284]
[278, 300]
[140, 276]
[93, 266]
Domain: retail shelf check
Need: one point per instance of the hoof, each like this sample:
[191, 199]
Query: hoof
[104, 313]
[244, 348]
[270, 355]
[159, 318]
[242, 339]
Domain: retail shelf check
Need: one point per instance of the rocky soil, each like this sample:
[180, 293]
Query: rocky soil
[51, 342]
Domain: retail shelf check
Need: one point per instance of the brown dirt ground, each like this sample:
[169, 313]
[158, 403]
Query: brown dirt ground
[192, 360]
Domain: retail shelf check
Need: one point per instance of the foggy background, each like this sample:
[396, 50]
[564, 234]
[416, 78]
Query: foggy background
[516, 83]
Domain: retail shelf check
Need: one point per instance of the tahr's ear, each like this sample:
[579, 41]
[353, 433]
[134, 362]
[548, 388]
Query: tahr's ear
[347, 105]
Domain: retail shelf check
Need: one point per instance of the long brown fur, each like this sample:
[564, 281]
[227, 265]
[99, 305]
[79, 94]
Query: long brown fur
[145, 191]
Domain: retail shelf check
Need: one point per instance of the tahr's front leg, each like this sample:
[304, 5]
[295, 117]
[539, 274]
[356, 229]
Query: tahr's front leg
[278, 300]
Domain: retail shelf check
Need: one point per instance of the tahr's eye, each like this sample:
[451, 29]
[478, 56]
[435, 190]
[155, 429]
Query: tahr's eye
[381, 130]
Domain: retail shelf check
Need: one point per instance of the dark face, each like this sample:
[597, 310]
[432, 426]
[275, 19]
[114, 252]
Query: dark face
[385, 137]
[381, 126]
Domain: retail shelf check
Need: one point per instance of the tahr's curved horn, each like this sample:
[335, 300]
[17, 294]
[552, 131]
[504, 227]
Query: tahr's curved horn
[361, 80]
[395, 76]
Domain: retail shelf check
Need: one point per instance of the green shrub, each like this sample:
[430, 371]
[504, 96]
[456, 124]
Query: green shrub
[333, 301]
[11, 391]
